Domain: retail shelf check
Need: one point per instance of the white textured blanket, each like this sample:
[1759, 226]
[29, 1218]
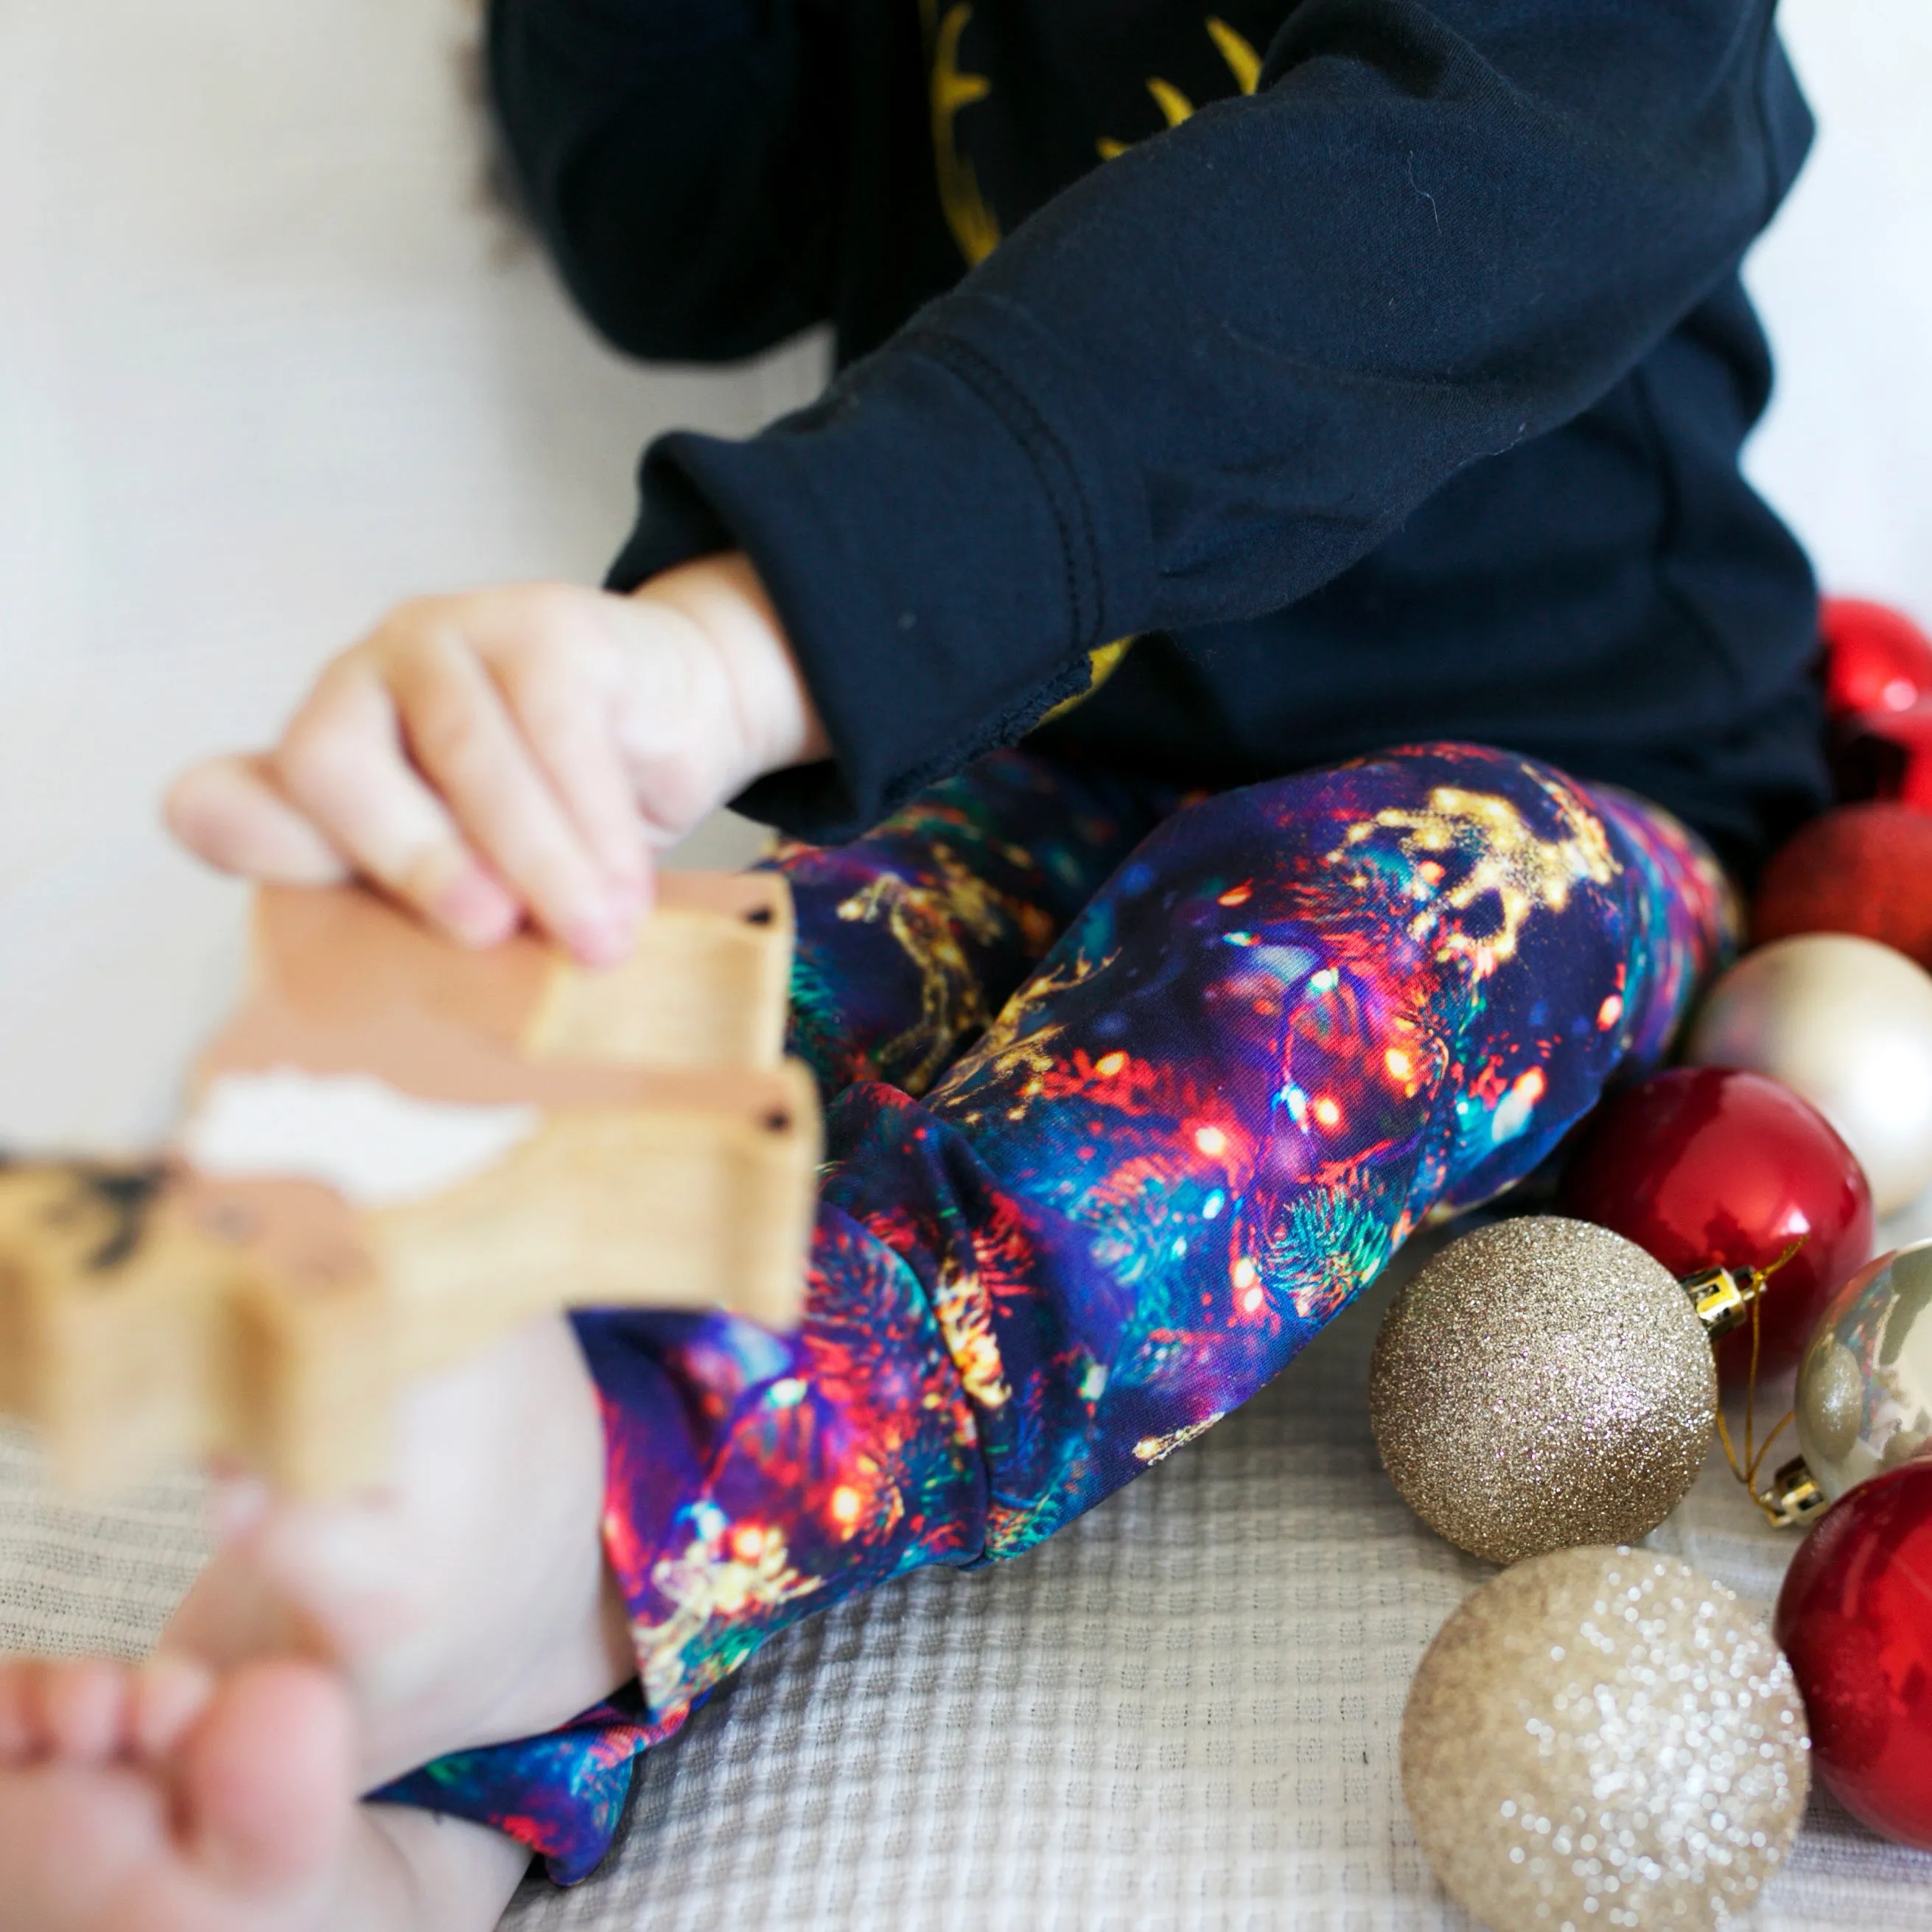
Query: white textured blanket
[268, 363]
[1182, 1713]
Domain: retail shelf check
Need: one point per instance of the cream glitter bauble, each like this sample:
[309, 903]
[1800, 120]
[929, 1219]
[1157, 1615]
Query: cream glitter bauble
[1542, 1383]
[1604, 1738]
[1847, 1023]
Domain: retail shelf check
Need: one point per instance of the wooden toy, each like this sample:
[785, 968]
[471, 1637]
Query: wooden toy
[396, 1152]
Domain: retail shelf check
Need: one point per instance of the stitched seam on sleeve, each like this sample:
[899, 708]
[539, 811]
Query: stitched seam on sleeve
[1037, 438]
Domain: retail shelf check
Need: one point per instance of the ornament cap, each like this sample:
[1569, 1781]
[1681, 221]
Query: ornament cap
[1794, 1497]
[1722, 1296]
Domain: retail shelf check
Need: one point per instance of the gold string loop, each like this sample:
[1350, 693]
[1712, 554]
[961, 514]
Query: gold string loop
[1791, 1497]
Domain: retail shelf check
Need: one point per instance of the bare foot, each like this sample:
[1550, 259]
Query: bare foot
[150, 1800]
[323, 1651]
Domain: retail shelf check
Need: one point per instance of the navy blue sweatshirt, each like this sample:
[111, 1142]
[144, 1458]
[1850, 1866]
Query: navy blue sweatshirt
[1379, 367]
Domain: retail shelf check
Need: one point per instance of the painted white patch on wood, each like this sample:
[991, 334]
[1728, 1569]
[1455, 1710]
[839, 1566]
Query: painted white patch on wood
[376, 1146]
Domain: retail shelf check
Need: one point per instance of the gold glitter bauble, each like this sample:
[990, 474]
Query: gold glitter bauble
[1542, 1383]
[1604, 1738]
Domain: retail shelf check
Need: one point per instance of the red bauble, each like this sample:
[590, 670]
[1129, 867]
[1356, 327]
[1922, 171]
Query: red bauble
[1863, 868]
[1853, 1619]
[1876, 659]
[1886, 755]
[1706, 1165]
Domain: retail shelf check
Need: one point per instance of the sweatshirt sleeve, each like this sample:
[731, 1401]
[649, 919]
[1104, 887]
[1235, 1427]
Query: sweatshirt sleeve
[1220, 369]
[679, 158]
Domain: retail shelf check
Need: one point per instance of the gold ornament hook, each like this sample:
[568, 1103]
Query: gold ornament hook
[1724, 1298]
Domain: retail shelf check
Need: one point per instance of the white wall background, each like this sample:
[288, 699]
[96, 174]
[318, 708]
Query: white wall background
[1845, 281]
[268, 362]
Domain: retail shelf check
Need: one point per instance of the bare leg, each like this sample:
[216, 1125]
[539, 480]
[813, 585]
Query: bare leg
[472, 1603]
[324, 1651]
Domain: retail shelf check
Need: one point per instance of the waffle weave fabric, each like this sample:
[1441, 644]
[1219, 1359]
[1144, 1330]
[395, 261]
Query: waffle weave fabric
[1261, 1044]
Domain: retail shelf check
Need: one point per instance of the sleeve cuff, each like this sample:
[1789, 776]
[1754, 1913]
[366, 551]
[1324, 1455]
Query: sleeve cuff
[946, 553]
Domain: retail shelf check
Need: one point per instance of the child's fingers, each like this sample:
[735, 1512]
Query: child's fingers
[230, 813]
[343, 763]
[565, 716]
[462, 735]
[558, 666]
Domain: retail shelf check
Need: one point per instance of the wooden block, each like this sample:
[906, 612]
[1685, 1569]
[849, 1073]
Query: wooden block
[397, 1151]
[705, 987]
[310, 1362]
[110, 1319]
[686, 1201]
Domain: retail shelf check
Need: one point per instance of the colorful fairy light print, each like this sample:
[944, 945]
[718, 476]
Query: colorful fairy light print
[912, 939]
[563, 1794]
[1128, 1096]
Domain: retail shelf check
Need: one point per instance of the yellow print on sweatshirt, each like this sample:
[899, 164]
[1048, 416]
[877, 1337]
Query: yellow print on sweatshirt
[1244, 63]
[975, 228]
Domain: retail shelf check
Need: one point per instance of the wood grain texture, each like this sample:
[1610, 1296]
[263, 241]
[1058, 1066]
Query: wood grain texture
[153, 1312]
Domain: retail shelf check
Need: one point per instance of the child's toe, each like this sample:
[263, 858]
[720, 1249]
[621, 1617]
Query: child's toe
[83, 1708]
[267, 1775]
[19, 1731]
[168, 1694]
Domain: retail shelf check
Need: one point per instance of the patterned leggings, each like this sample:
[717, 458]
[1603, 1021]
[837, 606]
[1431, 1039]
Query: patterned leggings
[1127, 1096]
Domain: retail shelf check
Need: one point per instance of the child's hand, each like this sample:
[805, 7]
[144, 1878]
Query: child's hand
[516, 752]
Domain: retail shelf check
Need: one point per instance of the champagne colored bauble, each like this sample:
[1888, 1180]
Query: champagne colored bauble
[1542, 1383]
[1864, 1388]
[1863, 868]
[1847, 1023]
[1852, 1617]
[1706, 1166]
[1604, 1738]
